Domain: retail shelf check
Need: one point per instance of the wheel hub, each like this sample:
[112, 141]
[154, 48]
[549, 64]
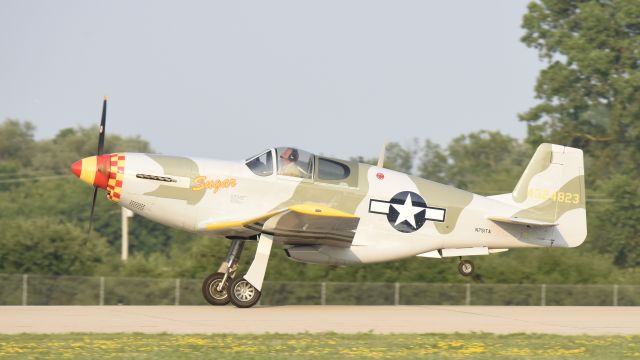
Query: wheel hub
[244, 291]
[216, 290]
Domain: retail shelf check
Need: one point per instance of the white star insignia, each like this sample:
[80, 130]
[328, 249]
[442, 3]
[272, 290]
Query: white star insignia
[407, 212]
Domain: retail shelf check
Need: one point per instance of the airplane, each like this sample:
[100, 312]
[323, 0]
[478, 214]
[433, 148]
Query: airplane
[323, 210]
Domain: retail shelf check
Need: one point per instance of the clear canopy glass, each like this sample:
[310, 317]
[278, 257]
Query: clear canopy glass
[294, 162]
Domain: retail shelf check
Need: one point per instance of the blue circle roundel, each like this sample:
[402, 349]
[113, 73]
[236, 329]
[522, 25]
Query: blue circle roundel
[407, 211]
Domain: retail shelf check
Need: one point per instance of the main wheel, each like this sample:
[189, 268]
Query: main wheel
[465, 267]
[243, 294]
[214, 291]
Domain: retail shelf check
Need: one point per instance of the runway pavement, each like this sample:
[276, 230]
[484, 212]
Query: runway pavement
[341, 319]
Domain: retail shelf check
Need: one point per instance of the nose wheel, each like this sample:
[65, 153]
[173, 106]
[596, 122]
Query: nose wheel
[466, 267]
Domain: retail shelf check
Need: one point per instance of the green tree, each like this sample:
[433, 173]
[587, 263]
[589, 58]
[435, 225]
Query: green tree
[31, 194]
[44, 221]
[49, 246]
[590, 98]
[614, 222]
[590, 91]
[16, 145]
[397, 157]
[400, 158]
[485, 162]
[433, 163]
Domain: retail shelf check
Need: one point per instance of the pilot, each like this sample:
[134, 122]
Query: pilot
[288, 165]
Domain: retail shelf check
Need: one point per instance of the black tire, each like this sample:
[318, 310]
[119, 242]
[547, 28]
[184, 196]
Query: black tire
[210, 292]
[243, 294]
[466, 267]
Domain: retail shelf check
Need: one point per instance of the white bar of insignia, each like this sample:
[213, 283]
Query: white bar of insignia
[434, 214]
[379, 206]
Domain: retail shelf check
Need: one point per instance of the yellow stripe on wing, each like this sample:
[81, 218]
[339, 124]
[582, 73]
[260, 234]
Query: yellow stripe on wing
[319, 210]
[304, 209]
[240, 223]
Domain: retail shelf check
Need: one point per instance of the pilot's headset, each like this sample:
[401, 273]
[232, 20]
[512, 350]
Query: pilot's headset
[293, 156]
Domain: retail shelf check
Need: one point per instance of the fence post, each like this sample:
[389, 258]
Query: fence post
[615, 295]
[467, 300]
[396, 294]
[25, 278]
[101, 300]
[177, 300]
[323, 293]
[543, 295]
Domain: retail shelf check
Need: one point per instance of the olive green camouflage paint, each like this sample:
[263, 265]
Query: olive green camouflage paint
[444, 196]
[551, 210]
[540, 161]
[340, 198]
[178, 166]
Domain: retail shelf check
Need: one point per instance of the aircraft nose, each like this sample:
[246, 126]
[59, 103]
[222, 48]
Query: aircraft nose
[76, 168]
[94, 170]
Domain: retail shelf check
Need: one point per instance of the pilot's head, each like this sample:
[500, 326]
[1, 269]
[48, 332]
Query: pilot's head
[290, 155]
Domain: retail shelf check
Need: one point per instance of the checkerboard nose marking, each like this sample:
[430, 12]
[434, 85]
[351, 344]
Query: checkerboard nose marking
[102, 171]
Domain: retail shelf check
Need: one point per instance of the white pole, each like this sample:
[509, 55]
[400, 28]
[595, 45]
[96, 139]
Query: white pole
[126, 214]
[101, 302]
[543, 295]
[615, 295]
[323, 293]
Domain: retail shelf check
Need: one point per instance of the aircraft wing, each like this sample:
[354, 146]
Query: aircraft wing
[304, 224]
[521, 221]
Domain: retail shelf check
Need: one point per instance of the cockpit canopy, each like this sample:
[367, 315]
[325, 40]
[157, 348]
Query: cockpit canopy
[294, 162]
[291, 162]
[261, 164]
[302, 164]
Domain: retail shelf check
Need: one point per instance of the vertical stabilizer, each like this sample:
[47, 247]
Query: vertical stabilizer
[551, 189]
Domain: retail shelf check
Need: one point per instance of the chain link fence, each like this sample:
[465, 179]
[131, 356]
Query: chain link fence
[78, 290]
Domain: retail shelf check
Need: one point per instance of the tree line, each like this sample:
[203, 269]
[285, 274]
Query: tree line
[45, 212]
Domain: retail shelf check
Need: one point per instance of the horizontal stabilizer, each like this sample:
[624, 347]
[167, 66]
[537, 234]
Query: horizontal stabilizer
[521, 221]
[482, 250]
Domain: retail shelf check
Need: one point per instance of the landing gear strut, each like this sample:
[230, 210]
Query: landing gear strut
[466, 267]
[214, 287]
[245, 291]
[223, 287]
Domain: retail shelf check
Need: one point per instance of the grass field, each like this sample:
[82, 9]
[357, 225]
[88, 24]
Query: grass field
[319, 346]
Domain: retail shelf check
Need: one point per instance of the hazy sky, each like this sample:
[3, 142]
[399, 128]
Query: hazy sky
[225, 79]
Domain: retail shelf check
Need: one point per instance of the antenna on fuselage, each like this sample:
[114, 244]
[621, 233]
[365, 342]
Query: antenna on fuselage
[382, 152]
